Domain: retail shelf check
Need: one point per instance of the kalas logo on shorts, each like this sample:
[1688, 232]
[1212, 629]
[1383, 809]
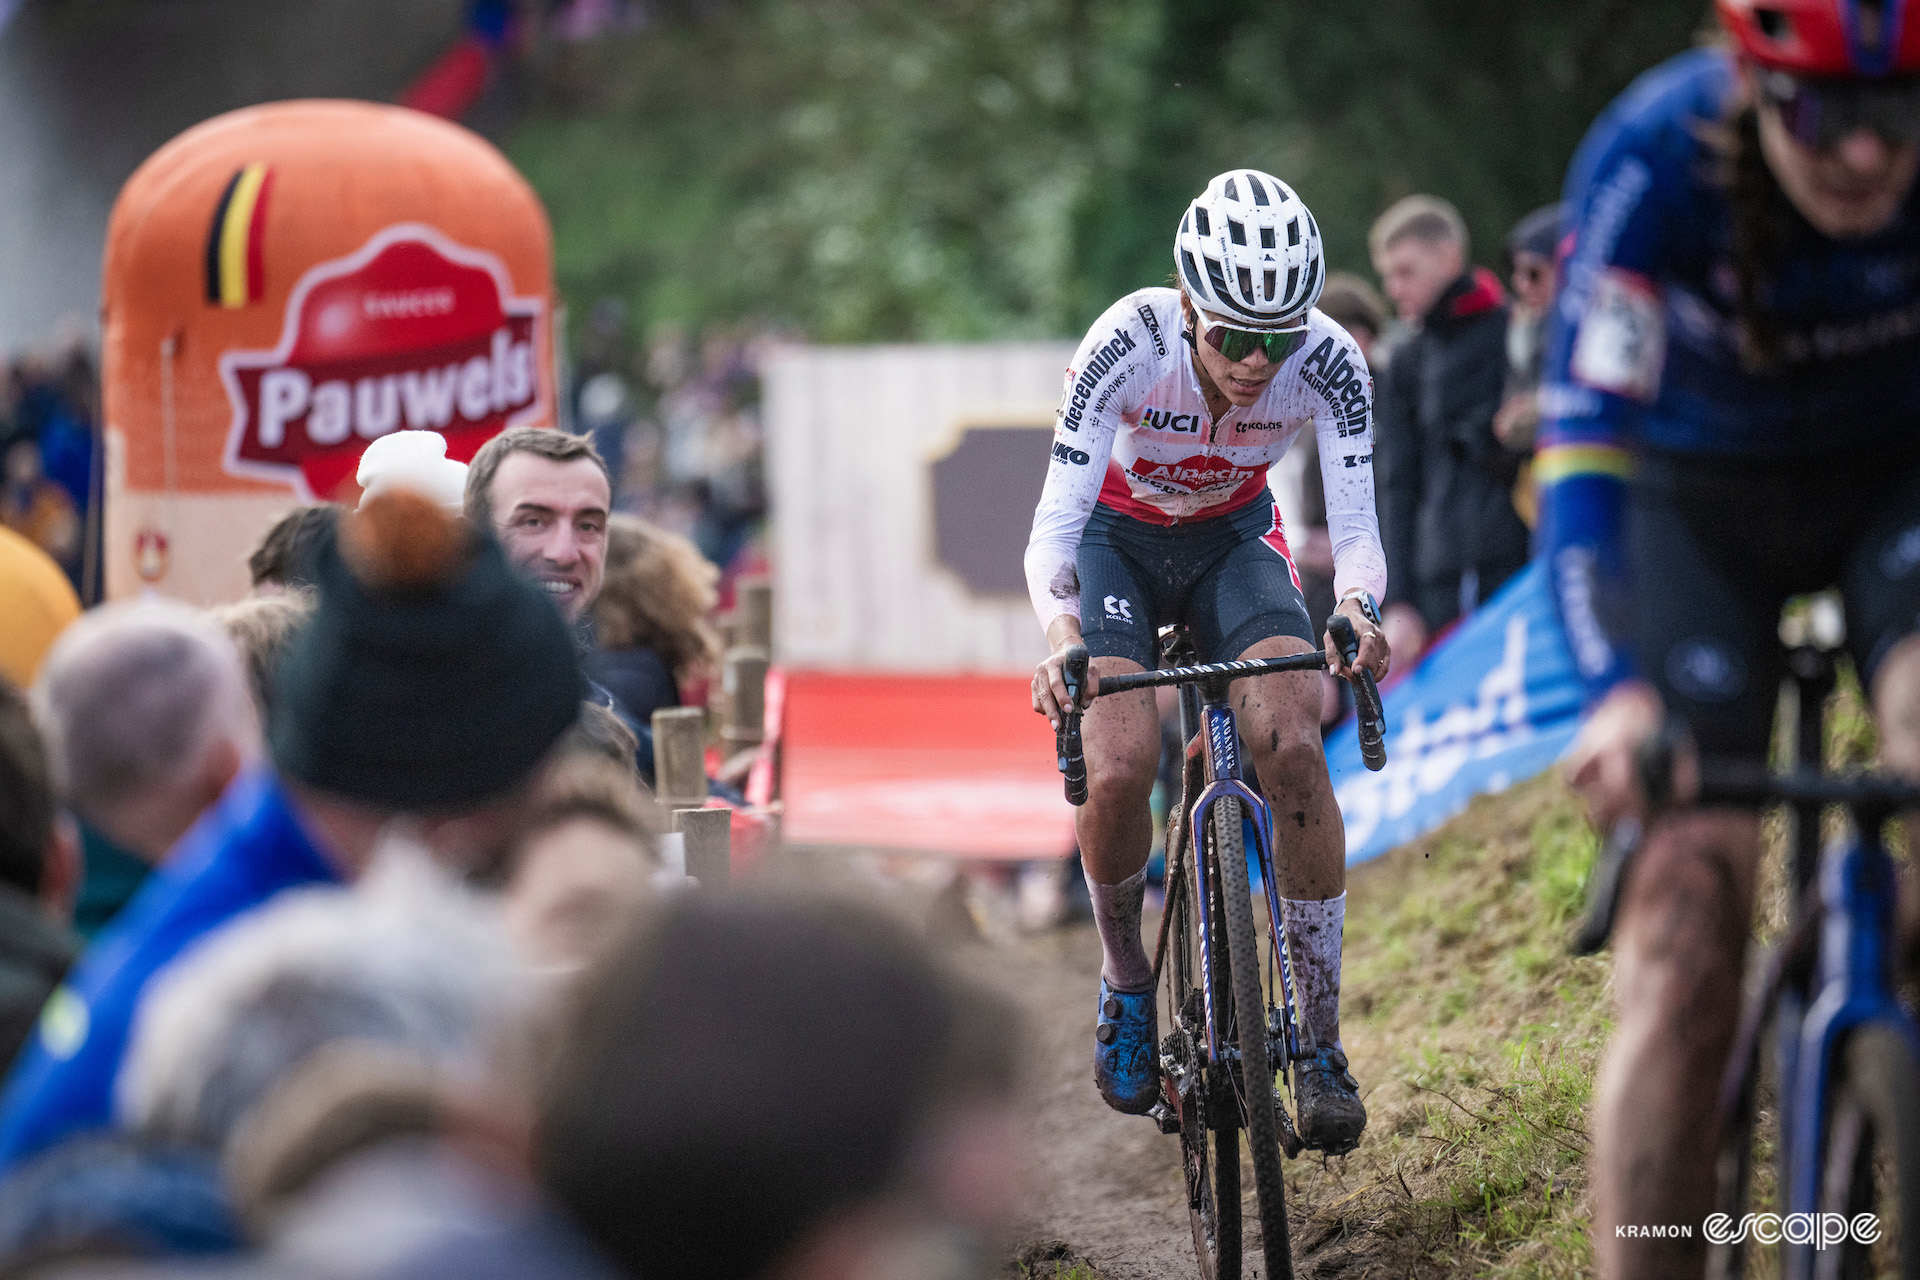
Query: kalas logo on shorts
[1193, 475]
[411, 332]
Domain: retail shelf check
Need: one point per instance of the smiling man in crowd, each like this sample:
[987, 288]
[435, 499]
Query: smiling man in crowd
[545, 495]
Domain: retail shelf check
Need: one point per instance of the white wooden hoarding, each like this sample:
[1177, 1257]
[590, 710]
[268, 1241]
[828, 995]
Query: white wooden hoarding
[852, 437]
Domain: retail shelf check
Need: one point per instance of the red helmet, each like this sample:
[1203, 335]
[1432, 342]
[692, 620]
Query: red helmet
[1848, 38]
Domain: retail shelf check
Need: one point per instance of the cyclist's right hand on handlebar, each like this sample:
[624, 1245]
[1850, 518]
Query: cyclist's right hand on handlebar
[1049, 689]
[1605, 766]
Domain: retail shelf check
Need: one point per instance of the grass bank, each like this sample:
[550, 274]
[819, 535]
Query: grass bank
[1476, 1037]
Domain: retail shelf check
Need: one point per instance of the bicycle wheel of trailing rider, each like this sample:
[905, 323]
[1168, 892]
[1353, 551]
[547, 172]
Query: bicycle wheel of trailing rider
[1254, 1086]
[1872, 1159]
[1209, 1116]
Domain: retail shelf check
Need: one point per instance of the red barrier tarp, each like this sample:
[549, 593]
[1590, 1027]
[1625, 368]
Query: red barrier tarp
[955, 765]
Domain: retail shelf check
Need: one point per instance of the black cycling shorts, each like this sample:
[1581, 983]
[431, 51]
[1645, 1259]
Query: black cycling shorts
[1719, 545]
[1228, 578]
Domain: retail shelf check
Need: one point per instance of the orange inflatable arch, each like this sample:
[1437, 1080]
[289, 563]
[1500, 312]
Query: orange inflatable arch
[285, 284]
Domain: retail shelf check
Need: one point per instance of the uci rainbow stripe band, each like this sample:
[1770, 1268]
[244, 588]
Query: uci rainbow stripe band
[1558, 462]
[235, 255]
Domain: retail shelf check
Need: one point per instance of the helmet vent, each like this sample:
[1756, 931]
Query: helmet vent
[1194, 281]
[1293, 278]
[1313, 277]
[1872, 24]
[1266, 237]
[1271, 276]
[1259, 192]
[1246, 284]
[1232, 192]
[1200, 221]
[1218, 277]
[1293, 232]
[1237, 231]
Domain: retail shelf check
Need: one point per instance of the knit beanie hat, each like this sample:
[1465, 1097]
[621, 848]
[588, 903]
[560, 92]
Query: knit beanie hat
[432, 676]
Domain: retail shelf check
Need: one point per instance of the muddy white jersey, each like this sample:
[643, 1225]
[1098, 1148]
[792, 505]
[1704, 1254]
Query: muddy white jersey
[1133, 434]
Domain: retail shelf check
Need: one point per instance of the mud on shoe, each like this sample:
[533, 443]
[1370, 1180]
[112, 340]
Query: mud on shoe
[1124, 1062]
[1332, 1116]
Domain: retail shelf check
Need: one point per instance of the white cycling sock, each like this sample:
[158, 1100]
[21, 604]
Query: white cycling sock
[1116, 910]
[1313, 940]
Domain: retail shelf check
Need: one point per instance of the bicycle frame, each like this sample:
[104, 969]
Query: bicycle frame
[1215, 732]
[1833, 973]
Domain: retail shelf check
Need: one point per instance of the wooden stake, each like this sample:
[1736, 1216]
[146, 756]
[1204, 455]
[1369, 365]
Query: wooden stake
[743, 690]
[708, 836]
[680, 756]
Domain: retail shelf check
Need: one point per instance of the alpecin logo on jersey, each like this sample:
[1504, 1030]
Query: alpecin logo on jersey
[411, 331]
[1198, 474]
[1168, 420]
[1328, 371]
[1153, 329]
[1099, 365]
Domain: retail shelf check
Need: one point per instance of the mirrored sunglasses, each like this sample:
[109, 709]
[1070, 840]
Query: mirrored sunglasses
[1240, 344]
[1819, 112]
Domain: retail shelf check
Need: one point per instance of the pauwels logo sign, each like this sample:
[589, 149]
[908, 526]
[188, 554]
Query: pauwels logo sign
[412, 332]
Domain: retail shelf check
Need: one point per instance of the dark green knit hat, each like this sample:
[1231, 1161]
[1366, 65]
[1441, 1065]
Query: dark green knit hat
[432, 676]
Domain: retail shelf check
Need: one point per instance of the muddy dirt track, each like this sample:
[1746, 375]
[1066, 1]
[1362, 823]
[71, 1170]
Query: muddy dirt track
[1106, 1184]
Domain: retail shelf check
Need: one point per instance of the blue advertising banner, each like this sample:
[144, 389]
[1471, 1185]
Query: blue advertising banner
[1495, 703]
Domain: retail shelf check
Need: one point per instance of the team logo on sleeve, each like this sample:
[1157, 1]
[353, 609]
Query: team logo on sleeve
[1153, 329]
[1622, 342]
[1344, 385]
[1099, 365]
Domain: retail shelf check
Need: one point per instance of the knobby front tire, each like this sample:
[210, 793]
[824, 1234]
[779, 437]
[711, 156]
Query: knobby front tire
[1250, 1010]
[1209, 1130]
[1872, 1159]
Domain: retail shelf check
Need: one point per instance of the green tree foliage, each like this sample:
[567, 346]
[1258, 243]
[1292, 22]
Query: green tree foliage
[864, 170]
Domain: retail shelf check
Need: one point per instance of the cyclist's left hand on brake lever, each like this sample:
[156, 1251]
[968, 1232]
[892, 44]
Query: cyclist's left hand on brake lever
[1375, 655]
[1049, 685]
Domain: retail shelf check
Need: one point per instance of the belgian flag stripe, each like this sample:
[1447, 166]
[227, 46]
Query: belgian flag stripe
[234, 253]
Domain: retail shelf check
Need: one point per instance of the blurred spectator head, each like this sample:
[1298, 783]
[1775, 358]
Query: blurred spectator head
[342, 1099]
[774, 1079]
[1419, 247]
[600, 731]
[585, 860]
[1355, 306]
[407, 960]
[38, 853]
[262, 628]
[432, 682]
[1531, 247]
[284, 558]
[659, 594]
[37, 601]
[546, 495]
[415, 460]
[148, 717]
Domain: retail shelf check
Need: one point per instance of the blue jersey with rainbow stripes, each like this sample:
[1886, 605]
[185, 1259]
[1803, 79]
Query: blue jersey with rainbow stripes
[1645, 345]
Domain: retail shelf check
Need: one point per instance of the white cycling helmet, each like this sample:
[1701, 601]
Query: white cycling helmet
[1249, 250]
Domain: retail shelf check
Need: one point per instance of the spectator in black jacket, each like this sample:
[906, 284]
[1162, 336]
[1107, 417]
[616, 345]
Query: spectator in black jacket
[39, 872]
[1446, 511]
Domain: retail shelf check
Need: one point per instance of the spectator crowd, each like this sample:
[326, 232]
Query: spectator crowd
[336, 936]
[1456, 362]
[49, 481]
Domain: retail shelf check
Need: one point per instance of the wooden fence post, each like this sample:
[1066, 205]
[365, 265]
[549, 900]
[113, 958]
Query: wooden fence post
[743, 698]
[753, 614]
[708, 837]
[680, 757]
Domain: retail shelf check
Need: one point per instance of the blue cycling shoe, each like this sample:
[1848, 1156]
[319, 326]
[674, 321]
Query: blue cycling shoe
[1125, 1059]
